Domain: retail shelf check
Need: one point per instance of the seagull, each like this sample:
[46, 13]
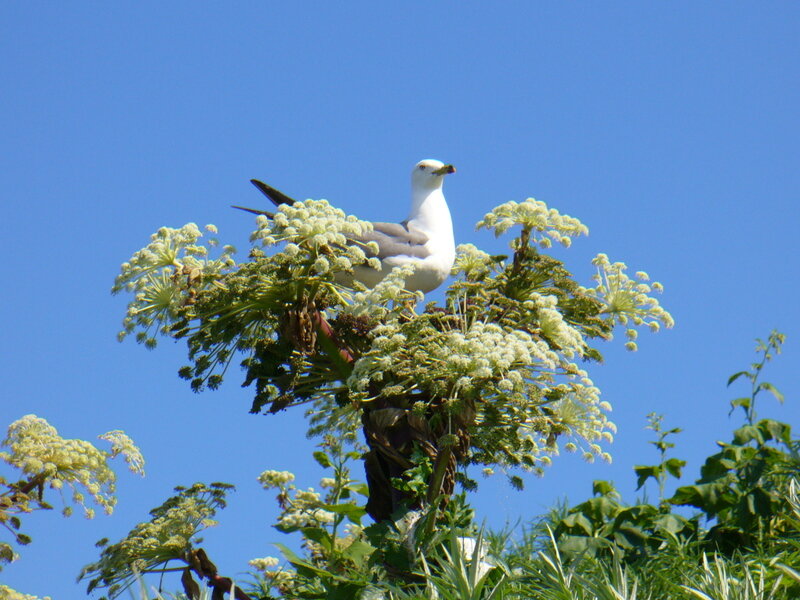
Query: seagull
[425, 239]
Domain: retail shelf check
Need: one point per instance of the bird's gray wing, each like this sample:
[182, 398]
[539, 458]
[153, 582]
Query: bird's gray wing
[395, 239]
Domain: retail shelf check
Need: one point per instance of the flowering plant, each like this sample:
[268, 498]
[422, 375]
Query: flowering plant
[496, 377]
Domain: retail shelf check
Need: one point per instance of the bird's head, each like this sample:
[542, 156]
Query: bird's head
[430, 173]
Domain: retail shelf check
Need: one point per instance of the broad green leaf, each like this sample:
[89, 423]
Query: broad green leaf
[358, 552]
[744, 402]
[675, 466]
[645, 472]
[602, 488]
[747, 434]
[320, 536]
[360, 488]
[351, 511]
[775, 430]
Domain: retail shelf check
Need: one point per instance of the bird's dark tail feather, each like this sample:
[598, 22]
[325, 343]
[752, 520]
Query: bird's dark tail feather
[276, 197]
[270, 192]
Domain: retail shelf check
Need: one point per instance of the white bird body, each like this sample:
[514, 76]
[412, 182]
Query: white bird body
[425, 239]
[428, 222]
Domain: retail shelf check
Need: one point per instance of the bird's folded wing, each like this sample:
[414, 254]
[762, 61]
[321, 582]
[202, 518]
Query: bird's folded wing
[395, 239]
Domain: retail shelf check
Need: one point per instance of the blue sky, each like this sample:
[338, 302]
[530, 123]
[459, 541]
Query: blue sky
[670, 129]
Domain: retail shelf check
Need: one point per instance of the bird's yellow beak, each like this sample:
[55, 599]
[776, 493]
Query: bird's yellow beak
[444, 170]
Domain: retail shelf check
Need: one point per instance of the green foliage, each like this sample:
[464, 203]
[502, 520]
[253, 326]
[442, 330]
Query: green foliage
[747, 495]
[603, 527]
[667, 466]
[743, 487]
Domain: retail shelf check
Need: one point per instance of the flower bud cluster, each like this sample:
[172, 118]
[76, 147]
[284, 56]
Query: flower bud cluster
[6, 593]
[37, 449]
[545, 224]
[628, 300]
[553, 326]
[474, 263]
[279, 578]
[386, 300]
[163, 275]
[320, 239]
[301, 508]
[170, 534]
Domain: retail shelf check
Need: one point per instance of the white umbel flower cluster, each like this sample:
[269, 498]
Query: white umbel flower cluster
[627, 300]
[386, 300]
[312, 229]
[6, 593]
[161, 276]
[36, 449]
[301, 508]
[546, 224]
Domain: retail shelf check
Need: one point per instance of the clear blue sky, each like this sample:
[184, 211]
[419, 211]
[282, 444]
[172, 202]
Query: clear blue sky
[670, 129]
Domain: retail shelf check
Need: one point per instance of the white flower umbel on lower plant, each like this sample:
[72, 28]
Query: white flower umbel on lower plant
[36, 449]
[6, 593]
[170, 534]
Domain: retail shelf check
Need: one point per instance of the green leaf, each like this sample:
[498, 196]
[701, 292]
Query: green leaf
[672, 523]
[360, 488]
[645, 472]
[320, 536]
[675, 466]
[351, 511]
[747, 434]
[602, 488]
[322, 459]
[576, 523]
[358, 552]
[304, 567]
[771, 389]
[736, 376]
[775, 430]
[744, 402]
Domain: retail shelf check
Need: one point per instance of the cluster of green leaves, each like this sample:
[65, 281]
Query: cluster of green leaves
[18, 498]
[745, 496]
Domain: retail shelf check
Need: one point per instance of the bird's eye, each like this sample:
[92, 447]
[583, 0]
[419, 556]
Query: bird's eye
[422, 167]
